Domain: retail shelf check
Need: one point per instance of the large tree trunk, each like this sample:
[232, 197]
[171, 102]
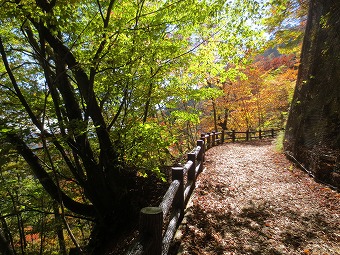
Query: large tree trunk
[313, 127]
[5, 247]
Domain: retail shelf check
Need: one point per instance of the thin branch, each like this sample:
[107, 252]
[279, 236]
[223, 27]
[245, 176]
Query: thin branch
[17, 67]
[45, 180]
[43, 212]
[108, 13]
[82, 31]
[21, 97]
[102, 44]
[55, 172]
[100, 10]
[8, 88]
[160, 9]
[118, 112]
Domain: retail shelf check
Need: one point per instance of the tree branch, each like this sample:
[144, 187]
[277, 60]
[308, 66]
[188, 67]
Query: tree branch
[46, 5]
[118, 112]
[43, 212]
[108, 155]
[46, 181]
[5, 247]
[21, 97]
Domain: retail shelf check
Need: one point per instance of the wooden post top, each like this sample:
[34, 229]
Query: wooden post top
[151, 210]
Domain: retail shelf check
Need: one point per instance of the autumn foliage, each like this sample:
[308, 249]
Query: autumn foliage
[257, 98]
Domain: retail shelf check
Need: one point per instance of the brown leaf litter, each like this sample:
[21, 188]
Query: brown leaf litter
[251, 200]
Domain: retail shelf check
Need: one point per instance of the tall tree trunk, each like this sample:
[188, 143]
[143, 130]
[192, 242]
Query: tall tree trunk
[59, 229]
[224, 124]
[7, 236]
[312, 132]
[147, 104]
[5, 247]
[214, 112]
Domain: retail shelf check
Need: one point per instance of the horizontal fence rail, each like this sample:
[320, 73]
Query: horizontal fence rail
[155, 232]
[250, 135]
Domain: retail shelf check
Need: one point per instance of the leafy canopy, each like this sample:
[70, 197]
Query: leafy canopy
[92, 89]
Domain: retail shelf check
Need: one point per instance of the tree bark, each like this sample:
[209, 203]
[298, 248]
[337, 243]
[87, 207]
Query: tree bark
[312, 133]
[5, 247]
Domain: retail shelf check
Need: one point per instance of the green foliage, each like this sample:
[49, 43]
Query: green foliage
[184, 117]
[94, 86]
[145, 148]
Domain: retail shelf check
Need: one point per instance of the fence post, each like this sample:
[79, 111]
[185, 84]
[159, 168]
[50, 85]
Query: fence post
[260, 134]
[233, 137]
[177, 174]
[208, 141]
[150, 229]
[192, 170]
[273, 134]
[222, 136]
[204, 142]
[213, 139]
[200, 156]
[247, 135]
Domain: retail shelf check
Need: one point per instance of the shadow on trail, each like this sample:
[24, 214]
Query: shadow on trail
[250, 230]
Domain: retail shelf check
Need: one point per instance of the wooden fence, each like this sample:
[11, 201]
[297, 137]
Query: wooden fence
[158, 225]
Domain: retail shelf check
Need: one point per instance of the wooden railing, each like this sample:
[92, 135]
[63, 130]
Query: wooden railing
[250, 135]
[158, 225]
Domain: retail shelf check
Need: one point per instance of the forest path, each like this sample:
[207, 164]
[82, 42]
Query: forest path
[251, 200]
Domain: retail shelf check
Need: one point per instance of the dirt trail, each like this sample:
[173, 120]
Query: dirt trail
[251, 200]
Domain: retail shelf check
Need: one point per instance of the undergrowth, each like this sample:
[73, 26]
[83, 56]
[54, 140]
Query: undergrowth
[279, 141]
